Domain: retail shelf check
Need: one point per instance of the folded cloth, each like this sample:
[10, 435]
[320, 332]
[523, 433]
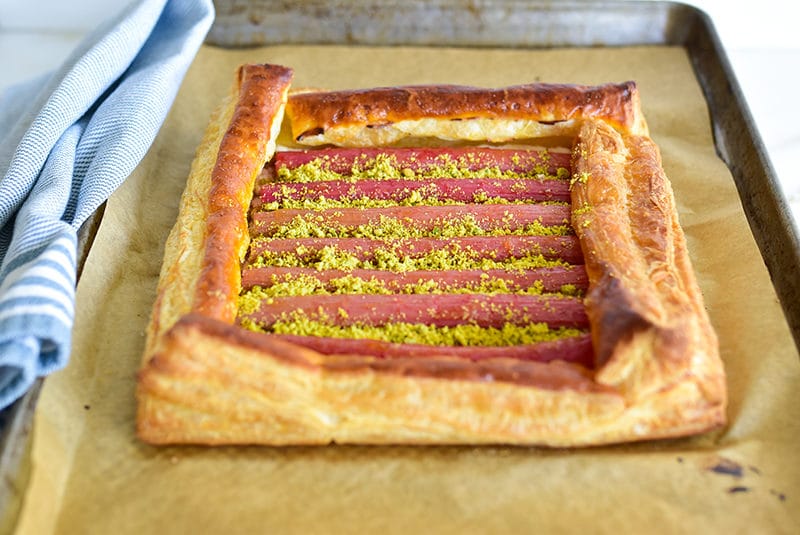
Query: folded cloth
[68, 141]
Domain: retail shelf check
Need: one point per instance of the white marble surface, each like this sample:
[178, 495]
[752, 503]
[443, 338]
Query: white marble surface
[761, 39]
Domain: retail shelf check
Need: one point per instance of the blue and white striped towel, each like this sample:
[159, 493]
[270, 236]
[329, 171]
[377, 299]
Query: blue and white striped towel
[67, 141]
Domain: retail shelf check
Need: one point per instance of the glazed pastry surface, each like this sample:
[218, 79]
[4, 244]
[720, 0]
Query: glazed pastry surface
[391, 114]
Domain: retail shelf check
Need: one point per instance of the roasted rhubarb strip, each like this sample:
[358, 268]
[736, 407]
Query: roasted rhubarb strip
[576, 349]
[441, 310]
[422, 160]
[446, 189]
[550, 279]
[499, 248]
[486, 216]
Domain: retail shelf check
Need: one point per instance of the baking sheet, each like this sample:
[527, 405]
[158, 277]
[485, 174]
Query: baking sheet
[16, 420]
[567, 23]
[91, 475]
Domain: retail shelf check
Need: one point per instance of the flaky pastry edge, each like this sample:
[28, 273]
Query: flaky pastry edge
[205, 380]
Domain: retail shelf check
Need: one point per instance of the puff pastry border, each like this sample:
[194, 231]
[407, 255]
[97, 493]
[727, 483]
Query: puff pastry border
[204, 380]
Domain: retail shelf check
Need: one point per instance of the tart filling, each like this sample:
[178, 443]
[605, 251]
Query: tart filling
[401, 285]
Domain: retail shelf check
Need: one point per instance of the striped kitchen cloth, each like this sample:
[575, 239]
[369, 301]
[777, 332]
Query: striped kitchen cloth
[67, 141]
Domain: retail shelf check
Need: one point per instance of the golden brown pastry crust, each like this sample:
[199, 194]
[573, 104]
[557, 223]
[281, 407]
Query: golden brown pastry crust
[649, 327]
[244, 150]
[206, 380]
[390, 114]
[201, 270]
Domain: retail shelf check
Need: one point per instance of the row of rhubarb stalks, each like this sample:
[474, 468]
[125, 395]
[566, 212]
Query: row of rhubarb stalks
[349, 257]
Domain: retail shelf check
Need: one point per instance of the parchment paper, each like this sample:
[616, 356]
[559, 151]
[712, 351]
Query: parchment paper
[91, 475]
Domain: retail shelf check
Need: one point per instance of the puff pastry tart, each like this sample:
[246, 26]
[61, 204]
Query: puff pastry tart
[427, 265]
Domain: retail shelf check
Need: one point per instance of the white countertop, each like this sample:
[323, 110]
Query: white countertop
[761, 39]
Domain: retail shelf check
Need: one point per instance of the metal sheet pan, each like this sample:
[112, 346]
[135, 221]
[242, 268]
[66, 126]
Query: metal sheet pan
[16, 421]
[498, 23]
[543, 24]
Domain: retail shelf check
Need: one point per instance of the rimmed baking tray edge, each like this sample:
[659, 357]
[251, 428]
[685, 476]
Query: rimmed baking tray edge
[16, 421]
[496, 23]
[543, 24]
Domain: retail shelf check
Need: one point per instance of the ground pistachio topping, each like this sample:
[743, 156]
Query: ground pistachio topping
[414, 198]
[391, 255]
[313, 226]
[386, 167]
[450, 258]
[582, 177]
[419, 333]
[295, 285]
[571, 290]
[584, 208]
